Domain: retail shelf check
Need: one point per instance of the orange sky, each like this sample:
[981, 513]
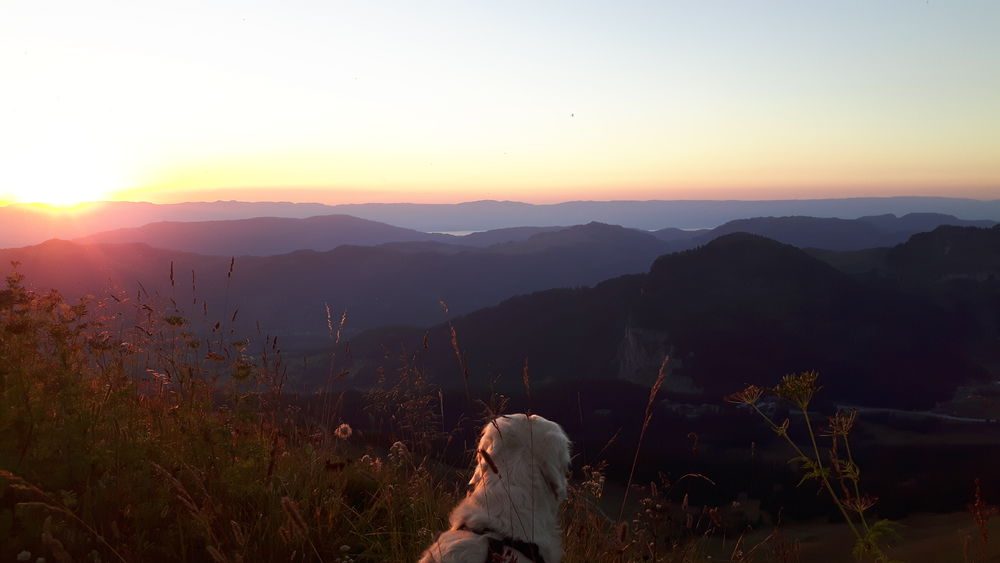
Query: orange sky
[349, 102]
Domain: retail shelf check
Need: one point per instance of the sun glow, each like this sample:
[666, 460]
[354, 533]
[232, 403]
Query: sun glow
[60, 195]
[632, 100]
[61, 176]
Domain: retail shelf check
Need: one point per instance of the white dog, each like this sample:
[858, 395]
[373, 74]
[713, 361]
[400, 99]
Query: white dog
[511, 513]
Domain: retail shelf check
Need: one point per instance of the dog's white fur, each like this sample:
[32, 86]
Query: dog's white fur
[521, 502]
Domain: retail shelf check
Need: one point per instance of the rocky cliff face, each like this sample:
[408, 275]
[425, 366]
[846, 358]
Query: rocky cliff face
[640, 354]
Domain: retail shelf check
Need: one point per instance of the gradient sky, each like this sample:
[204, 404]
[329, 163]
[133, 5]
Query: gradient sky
[536, 101]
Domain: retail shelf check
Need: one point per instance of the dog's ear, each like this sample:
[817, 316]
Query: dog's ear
[555, 464]
[489, 435]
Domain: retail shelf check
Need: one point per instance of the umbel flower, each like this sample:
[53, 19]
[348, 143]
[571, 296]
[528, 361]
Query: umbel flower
[748, 396]
[798, 388]
[861, 503]
[842, 423]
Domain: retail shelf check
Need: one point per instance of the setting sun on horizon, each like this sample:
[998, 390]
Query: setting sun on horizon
[444, 102]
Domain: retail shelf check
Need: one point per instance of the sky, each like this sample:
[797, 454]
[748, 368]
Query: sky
[431, 101]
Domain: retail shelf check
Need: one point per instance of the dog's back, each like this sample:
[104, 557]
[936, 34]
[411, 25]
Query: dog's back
[512, 510]
[457, 546]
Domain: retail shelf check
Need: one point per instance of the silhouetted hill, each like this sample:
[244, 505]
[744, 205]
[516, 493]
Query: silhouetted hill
[742, 309]
[593, 235]
[956, 268]
[263, 236]
[836, 234]
[772, 308]
[500, 236]
[22, 225]
[920, 222]
[564, 334]
[948, 253]
[267, 236]
[808, 232]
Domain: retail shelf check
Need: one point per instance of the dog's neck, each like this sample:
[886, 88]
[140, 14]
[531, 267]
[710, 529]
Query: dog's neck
[525, 513]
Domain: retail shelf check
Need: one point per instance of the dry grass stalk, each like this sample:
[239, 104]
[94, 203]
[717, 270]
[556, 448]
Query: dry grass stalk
[653, 392]
[982, 512]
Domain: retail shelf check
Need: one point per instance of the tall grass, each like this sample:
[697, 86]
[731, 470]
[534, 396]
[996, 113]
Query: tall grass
[125, 436]
[131, 432]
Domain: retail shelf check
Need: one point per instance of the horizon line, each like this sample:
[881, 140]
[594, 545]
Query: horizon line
[88, 204]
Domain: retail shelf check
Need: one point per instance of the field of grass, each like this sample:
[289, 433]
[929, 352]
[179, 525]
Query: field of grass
[137, 437]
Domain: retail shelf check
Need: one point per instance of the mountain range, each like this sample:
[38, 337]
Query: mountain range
[377, 286]
[656, 214]
[263, 236]
[266, 236]
[22, 225]
[897, 310]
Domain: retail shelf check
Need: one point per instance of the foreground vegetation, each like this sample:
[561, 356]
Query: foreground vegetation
[126, 436]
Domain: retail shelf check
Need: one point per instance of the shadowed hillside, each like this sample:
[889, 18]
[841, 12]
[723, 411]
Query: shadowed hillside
[742, 309]
[288, 293]
[757, 300]
[948, 253]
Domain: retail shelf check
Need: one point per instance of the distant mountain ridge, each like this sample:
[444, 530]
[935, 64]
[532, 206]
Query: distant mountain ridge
[262, 236]
[268, 236]
[23, 225]
[265, 236]
[593, 234]
[826, 233]
[655, 214]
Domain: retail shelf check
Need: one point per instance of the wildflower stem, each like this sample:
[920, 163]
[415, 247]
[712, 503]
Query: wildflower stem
[854, 482]
[823, 477]
[829, 489]
[661, 376]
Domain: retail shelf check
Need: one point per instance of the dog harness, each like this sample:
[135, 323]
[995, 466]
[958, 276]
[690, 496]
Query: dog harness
[498, 546]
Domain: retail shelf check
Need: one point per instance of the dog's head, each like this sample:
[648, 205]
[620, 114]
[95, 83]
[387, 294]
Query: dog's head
[516, 447]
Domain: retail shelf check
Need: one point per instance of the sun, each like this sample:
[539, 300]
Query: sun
[59, 195]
